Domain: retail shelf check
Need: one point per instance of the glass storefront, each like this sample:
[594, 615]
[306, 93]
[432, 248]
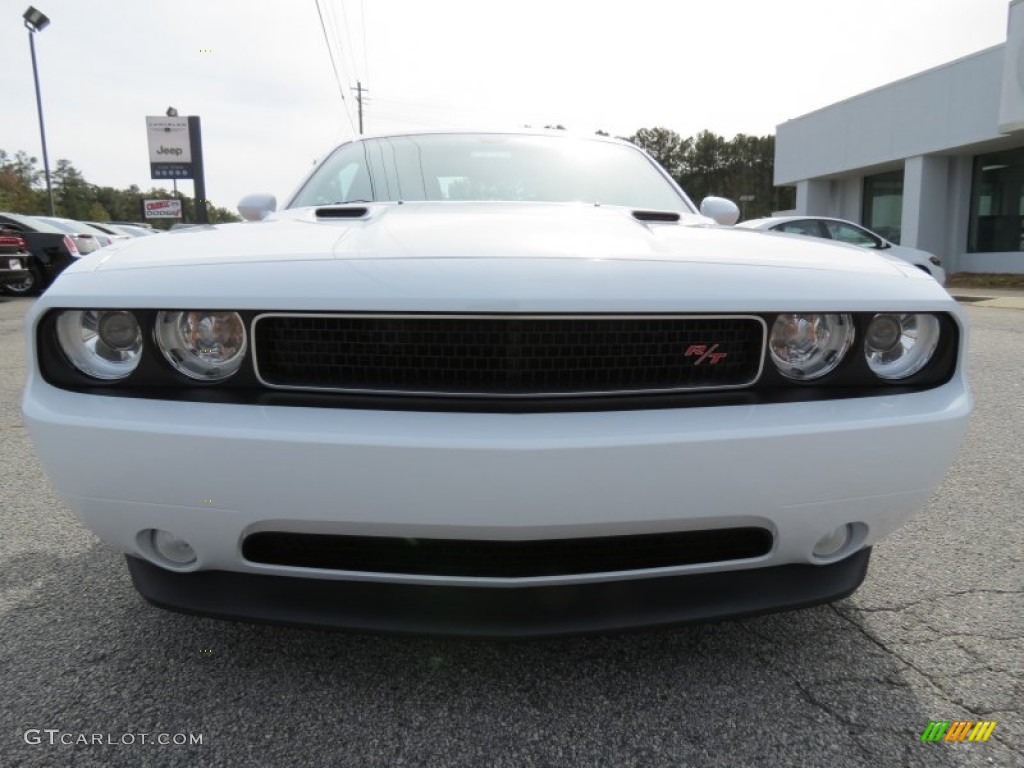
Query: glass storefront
[997, 203]
[883, 204]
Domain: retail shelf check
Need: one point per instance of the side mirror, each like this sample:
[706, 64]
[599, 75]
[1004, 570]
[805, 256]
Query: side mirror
[257, 207]
[720, 209]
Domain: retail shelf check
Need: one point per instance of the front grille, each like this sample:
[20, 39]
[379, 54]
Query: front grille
[505, 559]
[507, 356]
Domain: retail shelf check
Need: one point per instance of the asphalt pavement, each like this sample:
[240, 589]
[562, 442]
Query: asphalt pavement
[94, 676]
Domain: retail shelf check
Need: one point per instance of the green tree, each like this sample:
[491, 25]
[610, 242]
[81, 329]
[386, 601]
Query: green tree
[22, 190]
[97, 212]
[72, 194]
[709, 164]
[21, 183]
[667, 147]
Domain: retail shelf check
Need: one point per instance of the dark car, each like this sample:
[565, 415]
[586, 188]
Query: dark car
[14, 258]
[53, 250]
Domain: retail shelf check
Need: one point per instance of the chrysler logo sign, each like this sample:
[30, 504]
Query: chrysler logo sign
[168, 136]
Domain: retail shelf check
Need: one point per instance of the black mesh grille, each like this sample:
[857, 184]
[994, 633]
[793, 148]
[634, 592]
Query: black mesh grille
[505, 559]
[508, 356]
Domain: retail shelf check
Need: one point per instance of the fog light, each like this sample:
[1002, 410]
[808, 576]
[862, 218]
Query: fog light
[834, 542]
[176, 551]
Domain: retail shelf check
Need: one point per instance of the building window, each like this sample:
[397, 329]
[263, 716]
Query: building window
[997, 203]
[883, 204]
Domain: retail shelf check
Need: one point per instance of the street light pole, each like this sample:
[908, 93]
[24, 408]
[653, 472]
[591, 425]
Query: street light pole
[744, 199]
[36, 21]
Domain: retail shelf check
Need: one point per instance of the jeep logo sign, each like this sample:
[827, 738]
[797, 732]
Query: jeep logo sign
[168, 139]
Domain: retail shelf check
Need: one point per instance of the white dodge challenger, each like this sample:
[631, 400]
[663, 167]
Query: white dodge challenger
[493, 384]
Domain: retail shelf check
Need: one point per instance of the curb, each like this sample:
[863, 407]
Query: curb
[1000, 302]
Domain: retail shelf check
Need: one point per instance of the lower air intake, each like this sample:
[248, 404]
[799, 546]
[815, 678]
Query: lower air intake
[505, 559]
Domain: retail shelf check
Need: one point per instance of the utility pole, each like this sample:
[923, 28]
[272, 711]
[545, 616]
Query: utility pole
[198, 174]
[359, 100]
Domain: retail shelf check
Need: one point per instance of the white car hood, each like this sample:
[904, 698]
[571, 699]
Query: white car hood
[490, 257]
[479, 230]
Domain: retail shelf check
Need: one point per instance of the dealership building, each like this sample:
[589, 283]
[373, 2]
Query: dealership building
[934, 161]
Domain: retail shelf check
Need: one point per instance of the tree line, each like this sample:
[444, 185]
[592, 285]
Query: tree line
[740, 168]
[23, 190]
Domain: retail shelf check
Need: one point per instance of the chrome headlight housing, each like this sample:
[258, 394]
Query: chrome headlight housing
[808, 346]
[203, 345]
[102, 343]
[899, 345]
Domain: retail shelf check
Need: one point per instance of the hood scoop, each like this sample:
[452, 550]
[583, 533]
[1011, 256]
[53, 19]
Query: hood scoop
[342, 212]
[667, 216]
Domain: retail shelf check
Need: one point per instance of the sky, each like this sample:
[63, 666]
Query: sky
[260, 76]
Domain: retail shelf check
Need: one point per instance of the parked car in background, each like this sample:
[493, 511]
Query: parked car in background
[14, 258]
[844, 231]
[140, 224]
[130, 229]
[114, 231]
[495, 384]
[80, 228]
[53, 248]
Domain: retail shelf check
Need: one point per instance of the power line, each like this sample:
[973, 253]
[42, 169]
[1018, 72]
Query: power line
[454, 115]
[388, 116]
[417, 104]
[334, 66]
[346, 54]
[348, 71]
[362, 22]
[348, 36]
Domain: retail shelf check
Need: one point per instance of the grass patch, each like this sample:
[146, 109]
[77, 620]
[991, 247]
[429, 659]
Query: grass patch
[985, 280]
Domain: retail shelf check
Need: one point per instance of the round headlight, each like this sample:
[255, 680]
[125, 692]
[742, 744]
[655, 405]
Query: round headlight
[898, 346]
[102, 343]
[805, 347]
[207, 346]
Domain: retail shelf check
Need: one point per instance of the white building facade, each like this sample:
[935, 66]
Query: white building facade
[934, 161]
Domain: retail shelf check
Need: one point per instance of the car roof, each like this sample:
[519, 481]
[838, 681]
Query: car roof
[36, 223]
[548, 133]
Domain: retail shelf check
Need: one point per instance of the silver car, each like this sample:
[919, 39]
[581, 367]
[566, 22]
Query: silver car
[854, 234]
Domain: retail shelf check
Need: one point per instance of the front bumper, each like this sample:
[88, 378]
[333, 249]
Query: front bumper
[215, 473]
[8, 275]
[484, 612]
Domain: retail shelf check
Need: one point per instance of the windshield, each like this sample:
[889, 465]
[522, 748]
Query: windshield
[553, 169]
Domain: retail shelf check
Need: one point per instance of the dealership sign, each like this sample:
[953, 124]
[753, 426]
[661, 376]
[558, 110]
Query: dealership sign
[170, 148]
[161, 209]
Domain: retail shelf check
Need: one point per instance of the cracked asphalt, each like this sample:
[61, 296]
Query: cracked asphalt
[935, 633]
